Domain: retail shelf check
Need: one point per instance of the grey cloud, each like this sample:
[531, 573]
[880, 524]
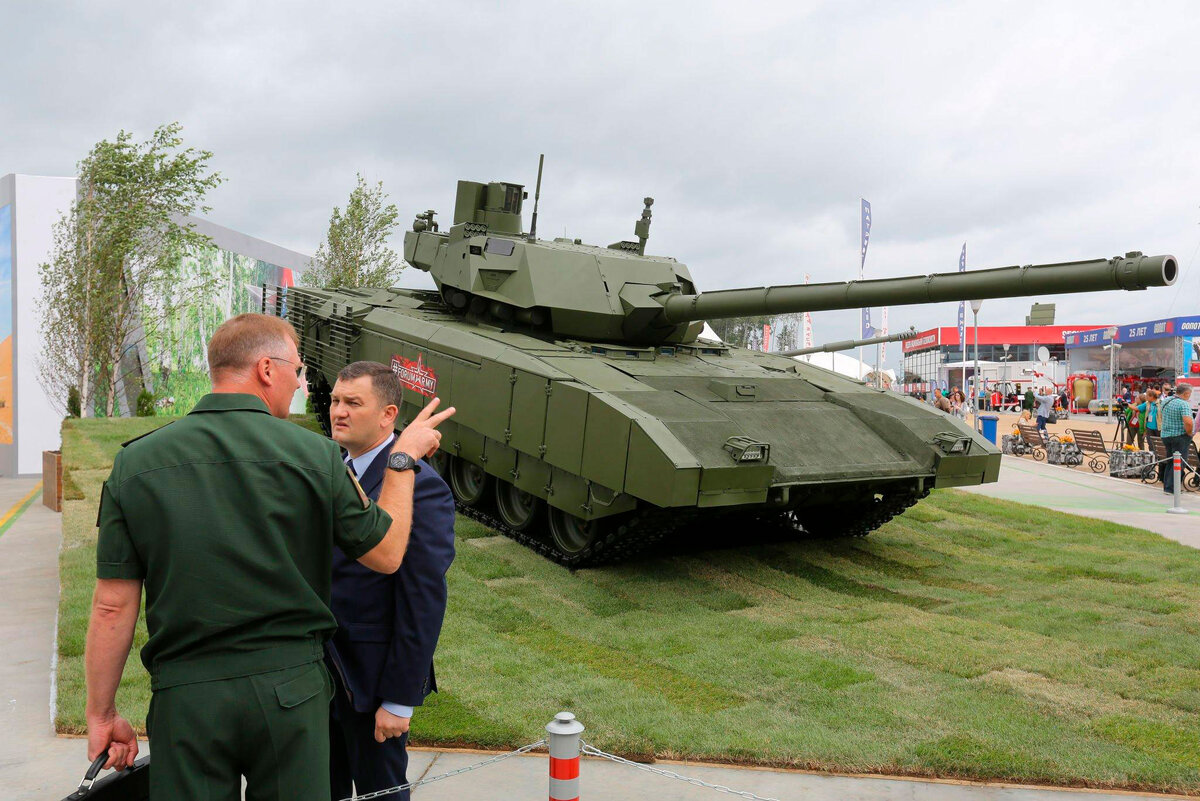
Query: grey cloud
[1035, 132]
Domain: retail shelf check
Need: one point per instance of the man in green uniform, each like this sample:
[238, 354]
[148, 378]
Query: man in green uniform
[228, 517]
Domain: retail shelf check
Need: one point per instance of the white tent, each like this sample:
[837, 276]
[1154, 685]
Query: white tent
[839, 363]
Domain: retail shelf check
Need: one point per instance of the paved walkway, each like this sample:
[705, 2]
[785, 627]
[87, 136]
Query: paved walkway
[37, 766]
[1119, 500]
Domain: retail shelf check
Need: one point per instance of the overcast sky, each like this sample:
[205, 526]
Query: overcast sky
[1034, 132]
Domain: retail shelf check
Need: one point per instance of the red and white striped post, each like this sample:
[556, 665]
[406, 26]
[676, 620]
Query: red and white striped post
[1177, 469]
[564, 733]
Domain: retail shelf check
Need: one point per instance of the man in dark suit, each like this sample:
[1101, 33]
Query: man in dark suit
[388, 625]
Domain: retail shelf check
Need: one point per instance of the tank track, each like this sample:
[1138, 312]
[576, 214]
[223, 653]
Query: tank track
[644, 529]
[622, 540]
[837, 523]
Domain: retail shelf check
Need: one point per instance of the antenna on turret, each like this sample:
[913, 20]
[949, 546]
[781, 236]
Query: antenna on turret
[537, 195]
[642, 227]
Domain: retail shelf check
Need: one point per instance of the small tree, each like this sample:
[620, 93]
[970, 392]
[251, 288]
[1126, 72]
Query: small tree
[67, 310]
[355, 252]
[145, 404]
[114, 276]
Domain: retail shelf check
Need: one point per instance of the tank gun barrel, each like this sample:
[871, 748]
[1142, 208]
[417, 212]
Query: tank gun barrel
[850, 344]
[1132, 271]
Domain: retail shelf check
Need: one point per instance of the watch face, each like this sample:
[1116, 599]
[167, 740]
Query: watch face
[403, 461]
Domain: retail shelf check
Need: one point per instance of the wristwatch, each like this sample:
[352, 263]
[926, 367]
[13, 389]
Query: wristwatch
[401, 461]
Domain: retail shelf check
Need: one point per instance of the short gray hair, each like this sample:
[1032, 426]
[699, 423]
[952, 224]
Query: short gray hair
[241, 341]
[1183, 389]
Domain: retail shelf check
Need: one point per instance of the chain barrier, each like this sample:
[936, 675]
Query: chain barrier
[1142, 468]
[1186, 469]
[591, 750]
[458, 771]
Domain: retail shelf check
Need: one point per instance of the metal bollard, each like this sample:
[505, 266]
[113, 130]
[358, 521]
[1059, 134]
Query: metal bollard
[564, 733]
[1177, 469]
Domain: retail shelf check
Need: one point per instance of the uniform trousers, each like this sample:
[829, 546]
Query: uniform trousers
[355, 756]
[272, 728]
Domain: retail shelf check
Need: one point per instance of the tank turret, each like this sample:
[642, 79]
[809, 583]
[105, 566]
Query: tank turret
[487, 269]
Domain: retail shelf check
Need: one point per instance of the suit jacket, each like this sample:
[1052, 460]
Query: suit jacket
[388, 625]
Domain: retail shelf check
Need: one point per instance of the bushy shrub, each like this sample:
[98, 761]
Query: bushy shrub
[145, 404]
[73, 402]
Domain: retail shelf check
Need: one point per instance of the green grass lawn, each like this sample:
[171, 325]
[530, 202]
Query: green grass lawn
[970, 637]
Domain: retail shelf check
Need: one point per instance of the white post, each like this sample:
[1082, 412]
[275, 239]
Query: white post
[1177, 469]
[564, 733]
[1112, 381]
[976, 305]
[1112, 370]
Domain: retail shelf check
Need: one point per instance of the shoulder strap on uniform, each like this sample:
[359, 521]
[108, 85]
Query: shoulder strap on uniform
[148, 433]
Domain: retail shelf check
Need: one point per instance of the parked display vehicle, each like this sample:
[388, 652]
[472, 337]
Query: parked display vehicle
[592, 419]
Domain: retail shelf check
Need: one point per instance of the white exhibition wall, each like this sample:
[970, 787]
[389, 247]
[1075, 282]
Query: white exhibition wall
[38, 204]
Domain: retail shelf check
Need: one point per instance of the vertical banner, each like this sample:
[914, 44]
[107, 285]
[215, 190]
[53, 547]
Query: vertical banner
[766, 346]
[6, 327]
[867, 330]
[962, 307]
[808, 336]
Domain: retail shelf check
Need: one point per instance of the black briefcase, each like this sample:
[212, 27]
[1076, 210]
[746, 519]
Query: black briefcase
[131, 784]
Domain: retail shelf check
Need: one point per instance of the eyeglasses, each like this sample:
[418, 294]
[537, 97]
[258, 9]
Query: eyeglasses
[300, 366]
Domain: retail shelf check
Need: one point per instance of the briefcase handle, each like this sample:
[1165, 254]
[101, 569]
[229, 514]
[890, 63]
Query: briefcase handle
[89, 778]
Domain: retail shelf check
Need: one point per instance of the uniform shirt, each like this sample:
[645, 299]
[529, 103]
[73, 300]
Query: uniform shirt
[1174, 410]
[229, 516]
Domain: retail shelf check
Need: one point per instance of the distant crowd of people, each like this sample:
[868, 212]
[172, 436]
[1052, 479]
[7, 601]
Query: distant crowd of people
[1165, 411]
[954, 401]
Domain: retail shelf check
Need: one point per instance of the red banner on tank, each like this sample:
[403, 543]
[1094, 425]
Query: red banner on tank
[415, 375]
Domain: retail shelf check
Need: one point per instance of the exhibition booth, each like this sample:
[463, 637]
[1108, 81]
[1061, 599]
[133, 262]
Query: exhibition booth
[1139, 355]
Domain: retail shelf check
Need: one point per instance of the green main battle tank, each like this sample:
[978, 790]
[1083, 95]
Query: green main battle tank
[592, 419]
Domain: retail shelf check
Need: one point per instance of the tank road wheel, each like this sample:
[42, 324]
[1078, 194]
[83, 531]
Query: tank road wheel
[440, 462]
[574, 539]
[517, 509]
[468, 482]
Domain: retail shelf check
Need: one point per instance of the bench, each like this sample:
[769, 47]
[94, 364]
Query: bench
[1032, 439]
[1190, 462]
[1091, 443]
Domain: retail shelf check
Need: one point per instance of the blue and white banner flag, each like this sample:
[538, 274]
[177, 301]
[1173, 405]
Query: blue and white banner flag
[868, 330]
[962, 305]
